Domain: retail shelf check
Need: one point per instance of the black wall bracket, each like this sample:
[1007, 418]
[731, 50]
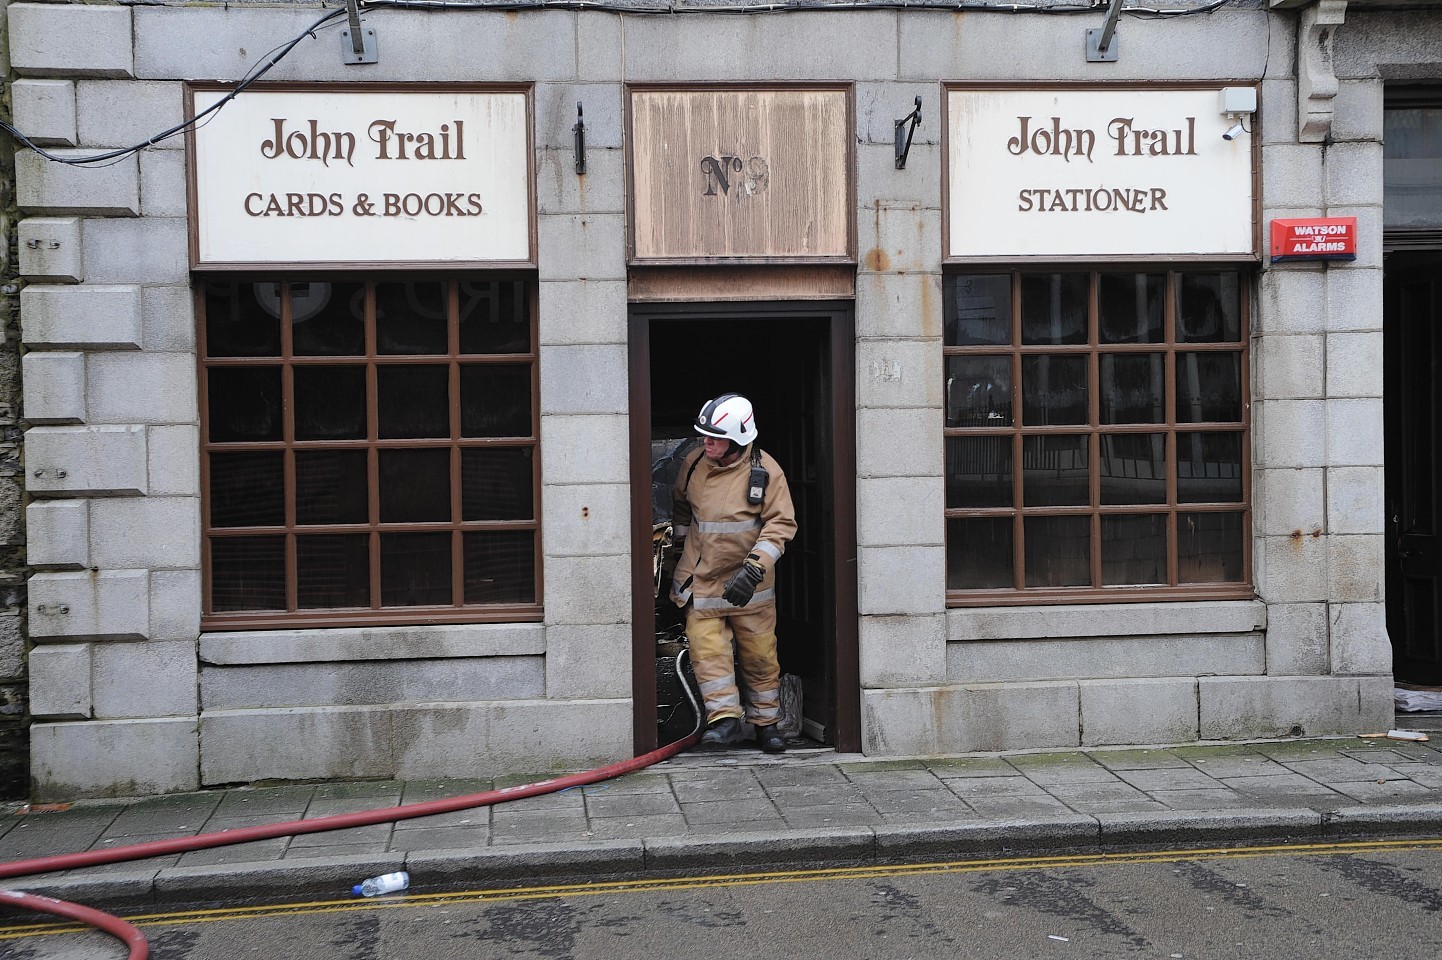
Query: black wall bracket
[579, 132]
[903, 147]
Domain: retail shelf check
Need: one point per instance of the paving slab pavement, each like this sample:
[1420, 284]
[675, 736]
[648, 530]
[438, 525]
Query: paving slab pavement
[743, 810]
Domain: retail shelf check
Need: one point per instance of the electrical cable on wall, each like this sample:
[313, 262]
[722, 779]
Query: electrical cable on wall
[280, 52]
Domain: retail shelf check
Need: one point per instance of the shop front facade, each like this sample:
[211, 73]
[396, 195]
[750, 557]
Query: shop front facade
[343, 405]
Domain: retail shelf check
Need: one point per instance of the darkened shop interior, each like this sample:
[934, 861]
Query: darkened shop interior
[782, 363]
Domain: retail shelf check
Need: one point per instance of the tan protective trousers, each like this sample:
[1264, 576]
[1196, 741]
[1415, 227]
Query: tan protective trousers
[717, 643]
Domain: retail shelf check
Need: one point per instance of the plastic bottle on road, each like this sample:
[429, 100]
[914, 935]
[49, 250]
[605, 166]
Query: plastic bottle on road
[385, 883]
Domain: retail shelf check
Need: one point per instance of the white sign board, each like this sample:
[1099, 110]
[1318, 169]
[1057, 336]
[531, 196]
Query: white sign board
[1100, 172]
[343, 176]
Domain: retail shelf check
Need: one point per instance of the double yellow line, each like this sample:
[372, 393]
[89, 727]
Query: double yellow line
[507, 894]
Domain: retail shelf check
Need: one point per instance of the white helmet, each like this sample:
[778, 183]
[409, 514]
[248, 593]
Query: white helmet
[728, 417]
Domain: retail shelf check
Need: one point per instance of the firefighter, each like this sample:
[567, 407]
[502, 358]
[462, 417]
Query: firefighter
[733, 507]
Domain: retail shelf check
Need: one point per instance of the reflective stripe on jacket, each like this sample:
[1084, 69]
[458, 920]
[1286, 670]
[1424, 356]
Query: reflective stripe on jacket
[723, 529]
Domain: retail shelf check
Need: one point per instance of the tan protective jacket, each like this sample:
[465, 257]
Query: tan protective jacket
[721, 529]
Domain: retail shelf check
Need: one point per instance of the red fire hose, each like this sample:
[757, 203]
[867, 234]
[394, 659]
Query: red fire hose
[139, 950]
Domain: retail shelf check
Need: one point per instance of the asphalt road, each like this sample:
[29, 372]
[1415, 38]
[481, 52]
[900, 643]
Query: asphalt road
[1381, 901]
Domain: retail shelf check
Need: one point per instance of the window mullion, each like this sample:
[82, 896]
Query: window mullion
[373, 470]
[1169, 419]
[453, 387]
[1018, 451]
[287, 420]
[1094, 444]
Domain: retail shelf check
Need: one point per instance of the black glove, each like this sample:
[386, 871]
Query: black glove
[742, 585]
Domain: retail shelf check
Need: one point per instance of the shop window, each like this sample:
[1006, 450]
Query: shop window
[369, 451]
[1096, 435]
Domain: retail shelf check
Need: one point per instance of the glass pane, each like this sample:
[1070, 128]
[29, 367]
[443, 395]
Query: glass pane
[247, 489]
[411, 317]
[330, 403]
[1209, 547]
[1054, 471]
[1058, 551]
[247, 573]
[979, 553]
[1130, 307]
[497, 484]
[500, 567]
[978, 471]
[1134, 549]
[1412, 168]
[1209, 467]
[978, 391]
[978, 309]
[1053, 390]
[1209, 387]
[1209, 308]
[413, 402]
[415, 569]
[1134, 468]
[496, 400]
[331, 486]
[495, 317]
[333, 571]
[244, 404]
[415, 486]
[1054, 308]
[237, 324]
[1133, 388]
[328, 319]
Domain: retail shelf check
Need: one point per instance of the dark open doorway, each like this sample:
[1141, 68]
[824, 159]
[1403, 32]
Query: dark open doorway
[794, 361]
[1413, 417]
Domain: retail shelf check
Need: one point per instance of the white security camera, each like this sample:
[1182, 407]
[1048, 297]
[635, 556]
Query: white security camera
[1234, 131]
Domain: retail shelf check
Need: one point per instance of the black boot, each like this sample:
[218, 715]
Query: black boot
[769, 739]
[722, 733]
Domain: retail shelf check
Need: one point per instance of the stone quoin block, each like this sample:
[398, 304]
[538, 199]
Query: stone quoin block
[585, 379]
[898, 442]
[902, 306]
[900, 511]
[601, 110]
[173, 460]
[560, 190]
[57, 534]
[589, 519]
[1293, 299]
[1249, 708]
[582, 311]
[1355, 502]
[60, 681]
[1359, 638]
[118, 113]
[1297, 640]
[146, 250]
[153, 533]
[899, 236]
[1138, 711]
[901, 580]
[1355, 568]
[90, 605]
[588, 661]
[81, 317]
[582, 246]
[51, 250]
[1354, 364]
[174, 604]
[44, 110]
[1290, 366]
[904, 651]
[1292, 569]
[597, 590]
[1354, 432]
[899, 373]
[113, 758]
[520, 736]
[1354, 299]
[85, 461]
[57, 188]
[1289, 500]
[589, 449]
[1354, 174]
[54, 387]
[1292, 433]
[1102, 658]
[162, 184]
[72, 40]
[149, 388]
[165, 671]
[1357, 112]
[168, 318]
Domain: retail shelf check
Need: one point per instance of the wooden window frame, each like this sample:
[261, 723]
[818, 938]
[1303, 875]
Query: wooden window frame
[376, 615]
[1093, 350]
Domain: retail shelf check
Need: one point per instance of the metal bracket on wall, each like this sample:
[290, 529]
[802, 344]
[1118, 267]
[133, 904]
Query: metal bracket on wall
[357, 43]
[911, 121]
[579, 130]
[1102, 43]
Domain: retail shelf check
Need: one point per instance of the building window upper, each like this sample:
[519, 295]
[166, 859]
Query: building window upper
[1096, 435]
[369, 451]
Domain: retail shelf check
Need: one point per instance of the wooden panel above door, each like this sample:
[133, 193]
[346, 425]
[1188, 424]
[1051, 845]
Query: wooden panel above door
[730, 174]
